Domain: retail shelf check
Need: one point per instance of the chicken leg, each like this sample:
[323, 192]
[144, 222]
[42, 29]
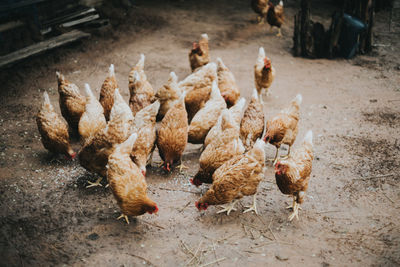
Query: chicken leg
[93, 184]
[279, 34]
[288, 154]
[275, 159]
[252, 207]
[125, 217]
[260, 20]
[228, 207]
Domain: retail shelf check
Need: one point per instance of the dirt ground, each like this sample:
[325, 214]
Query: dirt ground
[350, 215]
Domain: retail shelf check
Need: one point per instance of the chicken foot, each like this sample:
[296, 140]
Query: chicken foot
[295, 212]
[125, 217]
[294, 204]
[275, 159]
[228, 207]
[252, 207]
[288, 154]
[260, 20]
[279, 34]
[96, 183]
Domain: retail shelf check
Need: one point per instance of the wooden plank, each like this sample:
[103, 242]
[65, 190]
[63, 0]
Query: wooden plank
[80, 21]
[10, 25]
[68, 17]
[42, 46]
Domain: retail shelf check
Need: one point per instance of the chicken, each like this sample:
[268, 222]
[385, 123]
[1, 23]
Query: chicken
[219, 150]
[206, 117]
[168, 95]
[227, 84]
[53, 129]
[264, 73]
[141, 93]
[92, 120]
[293, 174]
[236, 113]
[252, 125]
[275, 16]
[127, 182]
[72, 103]
[235, 179]
[199, 56]
[173, 134]
[144, 125]
[107, 92]
[261, 8]
[198, 87]
[282, 129]
[93, 156]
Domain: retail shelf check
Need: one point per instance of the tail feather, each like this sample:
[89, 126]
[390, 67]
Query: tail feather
[173, 77]
[111, 72]
[261, 54]
[240, 104]
[215, 90]
[60, 77]
[136, 76]
[88, 91]
[140, 63]
[255, 94]
[182, 97]
[309, 137]
[227, 119]
[117, 97]
[127, 145]
[281, 3]
[46, 98]
[298, 99]
[204, 36]
[259, 144]
[220, 63]
[155, 107]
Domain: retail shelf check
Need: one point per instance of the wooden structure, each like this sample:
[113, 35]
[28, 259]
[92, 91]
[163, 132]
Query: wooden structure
[30, 27]
[312, 41]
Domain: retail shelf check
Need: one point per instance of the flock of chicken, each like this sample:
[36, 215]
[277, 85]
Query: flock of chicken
[118, 139]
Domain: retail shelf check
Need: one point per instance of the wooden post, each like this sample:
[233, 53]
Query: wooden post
[304, 23]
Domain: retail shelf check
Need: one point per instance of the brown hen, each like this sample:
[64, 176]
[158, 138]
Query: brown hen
[172, 135]
[252, 125]
[107, 92]
[293, 174]
[219, 150]
[127, 182]
[72, 103]
[236, 178]
[199, 55]
[283, 129]
[53, 129]
[227, 84]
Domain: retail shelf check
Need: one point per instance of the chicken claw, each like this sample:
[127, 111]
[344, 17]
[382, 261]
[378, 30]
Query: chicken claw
[252, 207]
[158, 163]
[93, 184]
[125, 217]
[228, 207]
[279, 34]
[181, 166]
[295, 212]
[293, 205]
[260, 20]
